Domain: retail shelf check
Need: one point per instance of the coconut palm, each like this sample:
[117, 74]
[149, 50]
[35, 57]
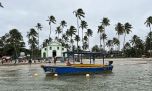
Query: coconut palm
[105, 22]
[71, 31]
[65, 37]
[79, 13]
[120, 30]
[85, 45]
[103, 37]
[32, 40]
[127, 30]
[148, 24]
[89, 33]
[116, 41]
[109, 44]
[39, 28]
[1, 5]
[134, 40]
[127, 45]
[100, 31]
[58, 31]
[83, 25]
[51, 20]
[63, 24]
[77, 38]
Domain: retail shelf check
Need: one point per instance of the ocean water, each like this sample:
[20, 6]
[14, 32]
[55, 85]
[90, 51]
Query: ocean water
[126, 76]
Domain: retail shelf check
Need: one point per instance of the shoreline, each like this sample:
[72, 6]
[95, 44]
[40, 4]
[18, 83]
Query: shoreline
[84, 61]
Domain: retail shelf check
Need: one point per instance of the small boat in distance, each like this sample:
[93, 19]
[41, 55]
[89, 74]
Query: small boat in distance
[78, 69]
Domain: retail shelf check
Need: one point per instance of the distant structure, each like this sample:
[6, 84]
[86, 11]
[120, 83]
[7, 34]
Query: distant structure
[53, 49]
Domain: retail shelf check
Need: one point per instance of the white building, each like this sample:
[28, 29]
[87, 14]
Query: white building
[53, 49]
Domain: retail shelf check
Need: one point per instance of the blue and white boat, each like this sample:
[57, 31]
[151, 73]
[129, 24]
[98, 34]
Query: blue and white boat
[74, 69]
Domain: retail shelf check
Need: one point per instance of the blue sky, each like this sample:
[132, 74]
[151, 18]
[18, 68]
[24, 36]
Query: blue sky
[24, 14]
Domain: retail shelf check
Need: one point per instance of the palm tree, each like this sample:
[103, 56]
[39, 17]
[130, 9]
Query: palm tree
[79, 13]
[100, 31]
[58, 31]
[89, 33]
[127, 45]
[15, 38]
[39, 28]
[120, 30]
[83, 25]
[148, 24]
[103, 37]
[109, 44]
[1, 5]
[116, 41]
[51, 20]
[63, 24]
[105, 22]
[32, 40]
[77, 38]
[134, 40]
[127, 30]
[71, 31]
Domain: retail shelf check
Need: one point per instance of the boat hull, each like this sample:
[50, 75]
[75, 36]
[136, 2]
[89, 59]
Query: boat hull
[69, 70]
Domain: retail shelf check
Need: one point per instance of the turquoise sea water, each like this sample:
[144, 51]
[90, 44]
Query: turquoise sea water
[126, 76]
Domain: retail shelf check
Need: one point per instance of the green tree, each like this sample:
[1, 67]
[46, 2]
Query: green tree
[148, 24]
[79, 13]
[89, 33]
[83, 26]
[116, 42]
[51, 20]
[71, 31]
[100, 31]
[63, 24]
[120, 30]
[103, 37]
[32, 36]
[1, 5]
[109, 44]
[39, 28]
[58, 31]
[15, 39]
[127, 30]
[95, 48]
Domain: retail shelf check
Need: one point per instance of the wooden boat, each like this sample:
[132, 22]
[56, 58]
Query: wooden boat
[74, 69]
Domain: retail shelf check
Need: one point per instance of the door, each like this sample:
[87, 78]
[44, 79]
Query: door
[54, 53]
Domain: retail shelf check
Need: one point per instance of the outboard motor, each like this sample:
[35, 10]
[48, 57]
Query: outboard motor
[110, 62]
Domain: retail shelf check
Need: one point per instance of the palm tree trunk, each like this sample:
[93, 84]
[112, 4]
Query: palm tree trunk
[82, 41]
[78, 36]
[50, 31]
[103, 44]
[38, 40]
[88, 44]
[119, 43]
[100, 41]
[150, 41]
[124, 40]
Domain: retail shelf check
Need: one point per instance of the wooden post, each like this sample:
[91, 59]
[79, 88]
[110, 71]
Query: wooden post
[103, 59]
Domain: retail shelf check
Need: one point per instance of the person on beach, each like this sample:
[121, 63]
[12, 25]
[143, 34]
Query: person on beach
[55, 59]
[93, 57]
[30, 61]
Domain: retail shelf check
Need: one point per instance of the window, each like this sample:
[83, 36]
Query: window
[45, 49]
[50, 48]
[57, 48]
[62, 49]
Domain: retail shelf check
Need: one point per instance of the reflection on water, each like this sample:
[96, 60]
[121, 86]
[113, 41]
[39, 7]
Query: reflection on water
[133, 76]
